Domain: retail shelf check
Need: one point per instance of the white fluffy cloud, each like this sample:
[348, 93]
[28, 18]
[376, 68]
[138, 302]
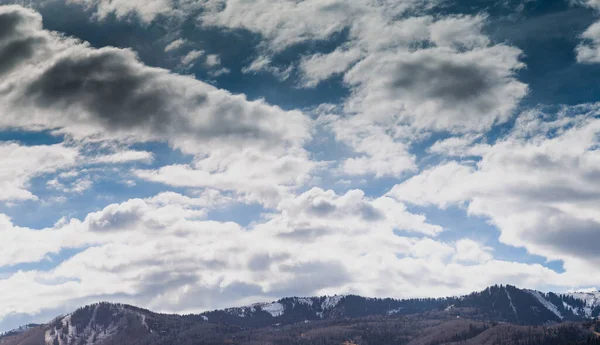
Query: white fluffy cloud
[255, 175]
[19, 164]
[589, 50]
[164, 254]
[538, 185]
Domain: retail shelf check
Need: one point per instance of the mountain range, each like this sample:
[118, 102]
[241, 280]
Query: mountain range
[340, 319]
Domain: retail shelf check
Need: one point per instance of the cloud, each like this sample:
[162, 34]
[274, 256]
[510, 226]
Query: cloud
[318, 67]
[377, 152]
[454, 146]
[403, 66]
[78, 186]
[191, 57]
[282, 23]
[350, 213]
[163, 254]
[437, 88]
[255, 175]
[408, 73]
[470, 251]
[107, 94]
[589, 50]
[264, 63]
[22, 163]
[146, 10]
[124, 156]
[538, 185]
[176, 44]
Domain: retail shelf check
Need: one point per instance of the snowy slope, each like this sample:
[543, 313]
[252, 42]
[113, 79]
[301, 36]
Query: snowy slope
[318, 305]
[546, 303]
[92, 325]
[591, 301]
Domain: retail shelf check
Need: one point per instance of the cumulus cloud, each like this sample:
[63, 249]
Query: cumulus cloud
[377, 152]
[255, 175]
[538, 185]
[64, 85]
[439, 89]
[470, 251]
[441, 74]
[409, 73]
[163, 254]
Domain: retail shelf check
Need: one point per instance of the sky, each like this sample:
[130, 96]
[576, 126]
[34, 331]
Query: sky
[189, 155]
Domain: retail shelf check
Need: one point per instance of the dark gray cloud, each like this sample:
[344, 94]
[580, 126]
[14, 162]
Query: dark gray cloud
[305, 234]
[370, 213]
[568, 235]
[438, 88]
[17, 51]
[321, 209]
[18, 40]
[443, 80]
[109, 84]
[111, 90]
[14, 19]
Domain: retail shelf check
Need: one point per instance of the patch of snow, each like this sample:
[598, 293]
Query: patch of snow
[511, 303]
[275, 309]
[204, 318]
[547, 304]
[239, 312]
[448, 308]
[331, 302]
[144, 321]
[394, 311]
[569, 307]
[591, 300]
[49, 337]
[320, 314]
[305, 301]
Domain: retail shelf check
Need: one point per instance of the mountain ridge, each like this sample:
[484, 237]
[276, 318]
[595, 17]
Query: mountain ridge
[114, 323]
